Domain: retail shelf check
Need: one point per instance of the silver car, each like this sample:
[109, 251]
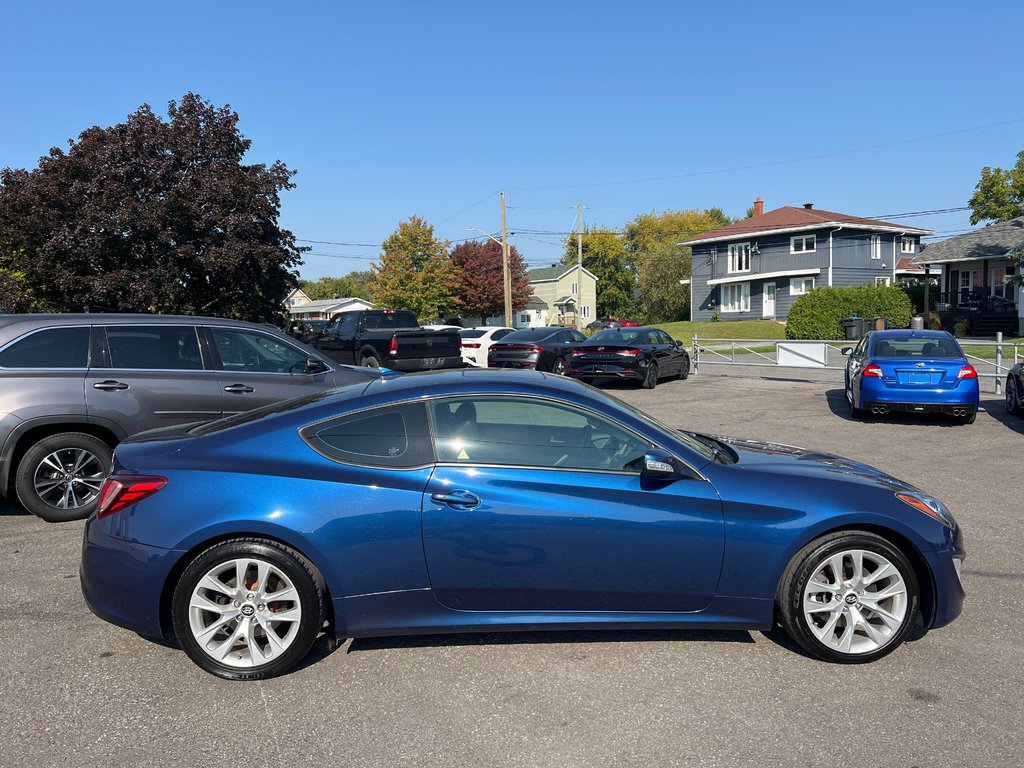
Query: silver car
[74, 385]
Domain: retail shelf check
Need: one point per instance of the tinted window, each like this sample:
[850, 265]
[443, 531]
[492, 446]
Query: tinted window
[535, 433]
[501, 334]
[917, 346]
[387, 320]
[530, 334]
[154, 347]
[393, 436]
[255, 352]
[616, 336]
[52, 348]
[473, 333]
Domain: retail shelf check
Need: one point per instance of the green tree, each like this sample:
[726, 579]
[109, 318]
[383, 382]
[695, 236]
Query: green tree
[14, 295]
[355, 284]
[652, 241]
[415, 272]
[999, 194]
[605, 255]
[152, 215]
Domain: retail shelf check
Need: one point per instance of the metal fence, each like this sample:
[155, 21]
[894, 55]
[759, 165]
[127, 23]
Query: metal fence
[823, 354]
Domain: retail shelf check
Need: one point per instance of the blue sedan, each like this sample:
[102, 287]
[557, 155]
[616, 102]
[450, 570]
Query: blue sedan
[911, 371]
[480, 500]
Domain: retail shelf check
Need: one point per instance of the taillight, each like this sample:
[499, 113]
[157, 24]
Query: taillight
[536, 350]
[577, 352]
[629, 352]
[967, 372]
[469, 345]
[121, 491]
[872, 370]
[393, 346]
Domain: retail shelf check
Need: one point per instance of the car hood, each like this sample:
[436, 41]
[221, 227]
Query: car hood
[778, 458]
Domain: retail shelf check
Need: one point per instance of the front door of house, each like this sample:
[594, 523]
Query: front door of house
[768, 308]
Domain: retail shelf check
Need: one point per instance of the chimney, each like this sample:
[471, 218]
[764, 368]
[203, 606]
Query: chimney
[759, 206]
[808, 206]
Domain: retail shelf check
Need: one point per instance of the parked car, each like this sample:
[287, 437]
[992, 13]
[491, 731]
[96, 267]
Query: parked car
[476, 343]
[73, 386]
[601, 324]
[303, 330]
[389, 337]
[911, 371]
[1015, 390]
[641, 354]
[480, 500]
[541, 349]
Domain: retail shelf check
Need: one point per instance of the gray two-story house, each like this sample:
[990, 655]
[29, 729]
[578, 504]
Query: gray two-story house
[756, 268]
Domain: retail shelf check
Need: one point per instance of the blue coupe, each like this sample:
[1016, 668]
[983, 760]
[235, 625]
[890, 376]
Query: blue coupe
[913, 371]
[480, 500]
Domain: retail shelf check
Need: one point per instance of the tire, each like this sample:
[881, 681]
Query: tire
[684, 370]
[833, 615]
[59, 478]
[560, 367]
[369, 361]
[226, 631]
[651, 379]
[1012, 396]
[855, 413]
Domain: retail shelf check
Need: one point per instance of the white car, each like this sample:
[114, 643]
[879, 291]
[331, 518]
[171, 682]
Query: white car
[476, 342]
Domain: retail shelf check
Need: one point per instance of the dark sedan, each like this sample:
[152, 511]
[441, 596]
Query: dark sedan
[641, 354]
[473, 500]
[536, 349]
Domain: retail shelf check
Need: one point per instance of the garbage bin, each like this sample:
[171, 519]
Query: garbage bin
[879, 323]
[917, 323]
[852, 328]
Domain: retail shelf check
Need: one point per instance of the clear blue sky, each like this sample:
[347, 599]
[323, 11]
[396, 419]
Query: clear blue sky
[430, 108]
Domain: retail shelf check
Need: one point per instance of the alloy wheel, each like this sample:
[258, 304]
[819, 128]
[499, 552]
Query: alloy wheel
[69, 478]
[855, 601]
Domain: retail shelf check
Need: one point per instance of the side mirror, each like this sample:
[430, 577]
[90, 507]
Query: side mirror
[658, 465]
[847, 351]
[314, 366]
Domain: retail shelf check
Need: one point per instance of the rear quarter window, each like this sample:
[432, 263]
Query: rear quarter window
[394, 436]
[49, 348]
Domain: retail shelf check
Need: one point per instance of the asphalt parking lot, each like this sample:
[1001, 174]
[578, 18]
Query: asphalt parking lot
[75, 691]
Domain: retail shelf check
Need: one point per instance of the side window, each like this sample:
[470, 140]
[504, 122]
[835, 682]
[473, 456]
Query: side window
[665, 338]
[255, 352]
[347, 327]
[51, 348]
[154, 347]
[519, 431]
[393, 436]
[501, 334]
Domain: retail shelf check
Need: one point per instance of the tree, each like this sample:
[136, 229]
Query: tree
[481, 285]
[415, 272]
[999, 194]
[652, 240]
[605, 255]
[355, 284]
[152, 216]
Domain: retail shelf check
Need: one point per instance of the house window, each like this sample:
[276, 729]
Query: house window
[798, 286]
[907, 245]
[524, 318]
[736, 297]
[575, 289]
[586, 311]
[881, 280]
[876, 246]
[802, 244]
[739, 257]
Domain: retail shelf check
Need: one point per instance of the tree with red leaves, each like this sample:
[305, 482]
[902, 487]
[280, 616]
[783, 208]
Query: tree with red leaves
[481, 288]
[151, 215]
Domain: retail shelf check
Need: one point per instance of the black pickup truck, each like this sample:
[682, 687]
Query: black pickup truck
[391, 338]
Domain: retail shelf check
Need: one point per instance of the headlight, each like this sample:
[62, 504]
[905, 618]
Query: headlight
[930, 506]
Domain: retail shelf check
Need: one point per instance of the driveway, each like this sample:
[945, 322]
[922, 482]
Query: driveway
[78, 692]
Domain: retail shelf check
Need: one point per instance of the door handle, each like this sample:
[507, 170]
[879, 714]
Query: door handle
[110, 385]
[456, 499]
[238, 388]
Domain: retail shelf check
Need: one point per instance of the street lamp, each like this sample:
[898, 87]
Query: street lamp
[505, 275]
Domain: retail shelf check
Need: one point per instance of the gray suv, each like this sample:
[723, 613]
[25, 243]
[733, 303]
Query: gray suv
[73, 386]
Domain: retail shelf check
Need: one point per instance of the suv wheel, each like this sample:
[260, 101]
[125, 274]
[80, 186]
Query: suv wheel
[59, 478]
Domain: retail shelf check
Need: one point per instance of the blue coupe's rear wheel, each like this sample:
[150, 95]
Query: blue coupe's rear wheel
[248, 609]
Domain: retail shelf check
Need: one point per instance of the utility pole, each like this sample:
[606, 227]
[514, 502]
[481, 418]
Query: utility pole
[506, 275]
[579, 266]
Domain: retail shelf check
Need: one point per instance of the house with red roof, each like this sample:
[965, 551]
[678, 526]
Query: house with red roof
[756, 268]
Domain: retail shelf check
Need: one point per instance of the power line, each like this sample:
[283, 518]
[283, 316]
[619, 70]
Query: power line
[779, 162]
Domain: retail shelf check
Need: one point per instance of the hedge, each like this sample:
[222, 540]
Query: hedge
[819, 314]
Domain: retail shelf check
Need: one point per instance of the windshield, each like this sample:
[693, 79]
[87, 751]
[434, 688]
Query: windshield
[918, 346]
[530, 334]
[471, 334]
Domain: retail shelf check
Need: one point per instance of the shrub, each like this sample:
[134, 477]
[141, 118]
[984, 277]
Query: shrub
[819, 314]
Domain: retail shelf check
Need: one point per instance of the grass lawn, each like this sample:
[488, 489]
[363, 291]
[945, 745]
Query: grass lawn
[739, 329]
